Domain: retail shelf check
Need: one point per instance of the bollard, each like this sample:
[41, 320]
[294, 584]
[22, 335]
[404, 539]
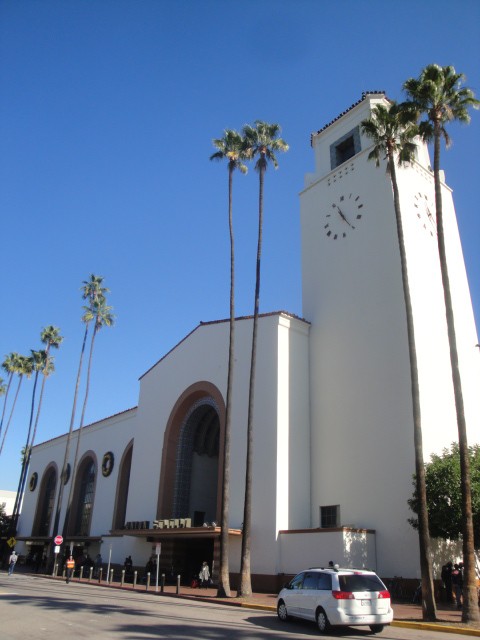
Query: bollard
[147, 584]
[100, 574]
[111, 576]
[162, 583]
[81, 572]
[134, 579]
[178, 584]
[123, 578]
[90, 573]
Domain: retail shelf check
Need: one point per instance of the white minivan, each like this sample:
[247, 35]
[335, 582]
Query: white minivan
[337, 597]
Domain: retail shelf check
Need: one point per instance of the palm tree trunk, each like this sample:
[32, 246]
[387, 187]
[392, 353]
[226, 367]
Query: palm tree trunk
[10, 377]
[245, 573]
[69, 438]
[224, 577]
[470, 611]
[429, 612]
[39, 406]
[26, 459]
[11, 412]
[68, 524]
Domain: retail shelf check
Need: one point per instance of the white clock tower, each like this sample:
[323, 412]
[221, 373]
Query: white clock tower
[362, 454]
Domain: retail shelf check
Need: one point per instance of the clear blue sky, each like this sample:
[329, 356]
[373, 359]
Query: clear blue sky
[107, 111]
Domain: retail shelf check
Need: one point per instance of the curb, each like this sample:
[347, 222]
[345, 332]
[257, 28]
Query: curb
[429, 626]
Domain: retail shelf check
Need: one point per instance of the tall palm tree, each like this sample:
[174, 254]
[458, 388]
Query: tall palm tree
[231, 148]
[393, 137]
[9, 366]
[92, 290]
[102, 316]
[39, 360]
[22, 366]
[50, 336]
[261, 142]
[438, 95]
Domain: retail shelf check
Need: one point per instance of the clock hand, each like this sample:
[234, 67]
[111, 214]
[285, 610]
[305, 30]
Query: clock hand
[343, 217]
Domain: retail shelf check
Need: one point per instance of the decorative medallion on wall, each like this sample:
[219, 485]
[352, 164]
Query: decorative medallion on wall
[68, 471]
[107, 464]
[33, 481]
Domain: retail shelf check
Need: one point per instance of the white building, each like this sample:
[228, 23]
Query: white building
[333, 434]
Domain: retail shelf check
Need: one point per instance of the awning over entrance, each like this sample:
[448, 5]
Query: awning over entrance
[175, 533]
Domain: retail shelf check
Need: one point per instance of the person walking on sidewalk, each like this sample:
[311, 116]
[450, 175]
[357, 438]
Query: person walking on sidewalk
[70, 568]
[457, 583]
[204, 575]
[12, 561]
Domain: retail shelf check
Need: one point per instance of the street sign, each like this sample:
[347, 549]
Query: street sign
[11, 542]
[58, 540]
[57, 549]
[158, 548]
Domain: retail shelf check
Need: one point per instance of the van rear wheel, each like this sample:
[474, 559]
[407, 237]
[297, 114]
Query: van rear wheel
[322, 621]
[376, 628]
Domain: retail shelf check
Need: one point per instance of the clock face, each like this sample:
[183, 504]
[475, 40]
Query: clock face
[425, 212]
[343, 216]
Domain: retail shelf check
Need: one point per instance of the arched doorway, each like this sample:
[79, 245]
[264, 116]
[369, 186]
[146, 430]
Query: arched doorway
[83, 498]
[191, 475]
[46, 498]
[123, 484]
[195, 490]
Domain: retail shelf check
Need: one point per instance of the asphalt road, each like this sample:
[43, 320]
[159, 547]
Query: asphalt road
[32, 607]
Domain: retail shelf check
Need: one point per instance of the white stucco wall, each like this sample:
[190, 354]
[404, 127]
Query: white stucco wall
[362, 434]
[112, 434]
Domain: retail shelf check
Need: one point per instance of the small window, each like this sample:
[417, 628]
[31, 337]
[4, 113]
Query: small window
[330, 516]
[345, 148]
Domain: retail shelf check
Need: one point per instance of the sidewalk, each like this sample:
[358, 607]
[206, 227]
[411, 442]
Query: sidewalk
[449, 619]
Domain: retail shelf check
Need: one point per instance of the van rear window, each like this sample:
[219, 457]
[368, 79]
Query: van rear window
[360, 583]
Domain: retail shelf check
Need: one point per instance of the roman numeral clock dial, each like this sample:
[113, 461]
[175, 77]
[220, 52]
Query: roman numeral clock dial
[343, 216]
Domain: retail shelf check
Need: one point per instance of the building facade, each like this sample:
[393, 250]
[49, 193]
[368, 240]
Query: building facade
[333, 428]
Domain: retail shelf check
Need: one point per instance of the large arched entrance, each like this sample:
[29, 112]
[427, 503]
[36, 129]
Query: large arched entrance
[191, 474]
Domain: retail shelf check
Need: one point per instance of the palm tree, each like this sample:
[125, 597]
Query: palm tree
[230, 147]
[51, 337]
[38, 360]
[393, 136]
[22, 366]
[102, 316]
[91, 290]
[9, 366]
[438, 95]
[261, 141]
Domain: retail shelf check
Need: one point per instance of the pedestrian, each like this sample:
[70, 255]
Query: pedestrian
[70, 568]
[446, 576]
[12, 561]
[204, 575]
[457, 583]
[98, 564]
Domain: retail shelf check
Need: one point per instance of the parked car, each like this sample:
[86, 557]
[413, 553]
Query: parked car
[337, 597]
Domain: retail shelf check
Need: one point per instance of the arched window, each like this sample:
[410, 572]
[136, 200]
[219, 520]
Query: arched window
[45, 503]
[122, 488]
[84, 502]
